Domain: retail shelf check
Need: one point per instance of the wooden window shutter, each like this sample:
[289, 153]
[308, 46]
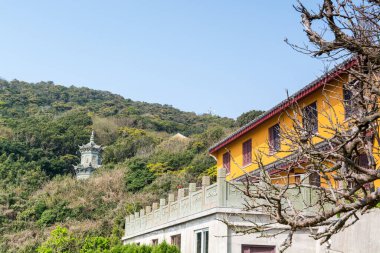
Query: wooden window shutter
[274, 138]
[226, 161]
[247, 152]
[310, 118]
[347, 98]
[363, 161]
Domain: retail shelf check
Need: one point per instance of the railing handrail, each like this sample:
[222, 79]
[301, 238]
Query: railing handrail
[187, 201]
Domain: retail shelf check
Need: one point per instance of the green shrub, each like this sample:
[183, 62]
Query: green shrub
[59, 212]
[96, 244]
[47, 217]
[59, 241]
[131, 248]
[165, 248]
[145, 249]
[134, 248]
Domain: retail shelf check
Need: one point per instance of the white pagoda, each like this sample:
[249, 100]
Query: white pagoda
[90, 159]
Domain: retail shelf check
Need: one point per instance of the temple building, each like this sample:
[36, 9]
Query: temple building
[90, 159]
[194, 219]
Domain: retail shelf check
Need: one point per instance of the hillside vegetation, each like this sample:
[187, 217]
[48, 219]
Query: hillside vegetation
[41, 126]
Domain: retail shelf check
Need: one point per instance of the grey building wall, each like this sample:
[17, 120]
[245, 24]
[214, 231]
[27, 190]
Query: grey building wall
[221, 238]
[362, 237]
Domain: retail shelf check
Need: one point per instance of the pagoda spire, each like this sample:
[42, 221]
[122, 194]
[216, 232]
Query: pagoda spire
[92, 138]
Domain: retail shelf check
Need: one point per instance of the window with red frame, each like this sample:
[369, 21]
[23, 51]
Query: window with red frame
[247, 152]
[310, 118]
[227, 161]
[274, 138]
[348, 103]
[348, 98]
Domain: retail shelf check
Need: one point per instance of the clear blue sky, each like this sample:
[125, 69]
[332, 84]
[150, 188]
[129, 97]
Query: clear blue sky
[193, 54]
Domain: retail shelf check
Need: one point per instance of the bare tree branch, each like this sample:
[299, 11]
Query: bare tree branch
[323, 179]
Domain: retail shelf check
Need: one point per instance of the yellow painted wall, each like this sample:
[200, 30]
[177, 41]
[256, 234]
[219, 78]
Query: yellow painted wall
[329, 94]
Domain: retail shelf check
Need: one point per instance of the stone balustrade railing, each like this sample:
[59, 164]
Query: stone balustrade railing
[220, 194]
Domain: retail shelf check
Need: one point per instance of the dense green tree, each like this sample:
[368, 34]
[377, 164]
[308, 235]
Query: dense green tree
[128, 146]
[246, 117]
[138, 175]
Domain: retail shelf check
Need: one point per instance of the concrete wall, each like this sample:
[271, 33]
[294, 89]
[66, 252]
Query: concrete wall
[362, 237]
[302, 243]
[221, 238]
[217, 234]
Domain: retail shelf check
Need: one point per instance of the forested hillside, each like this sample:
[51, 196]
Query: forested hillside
[41, 126]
